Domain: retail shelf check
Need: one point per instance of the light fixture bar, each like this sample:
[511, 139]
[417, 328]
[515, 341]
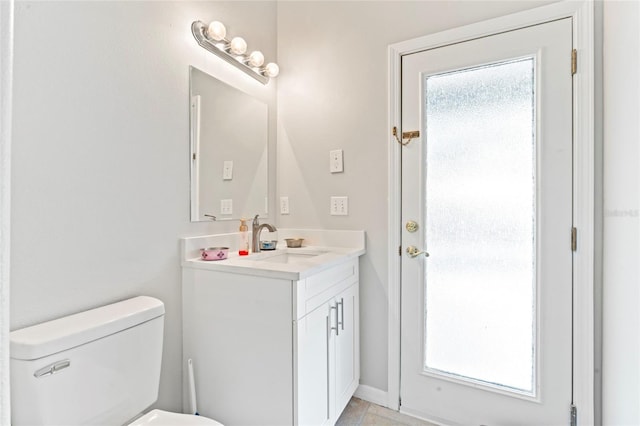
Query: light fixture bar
[199, 28]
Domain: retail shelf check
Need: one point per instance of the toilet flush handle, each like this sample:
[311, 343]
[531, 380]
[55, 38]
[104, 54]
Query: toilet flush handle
[52, 368]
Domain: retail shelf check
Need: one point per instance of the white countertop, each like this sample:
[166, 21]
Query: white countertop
[259, 265]
[329, 248]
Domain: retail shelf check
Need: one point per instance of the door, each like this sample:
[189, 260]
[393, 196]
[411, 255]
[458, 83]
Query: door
[315, 346]
[347, 371]
[487, 216]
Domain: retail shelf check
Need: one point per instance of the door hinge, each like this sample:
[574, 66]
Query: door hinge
[399, 250]
[193, 156]
[574, 61]
[574, 415]
[574, 239]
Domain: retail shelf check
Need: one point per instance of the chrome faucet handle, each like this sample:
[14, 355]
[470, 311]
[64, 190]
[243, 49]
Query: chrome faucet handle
[256, 220]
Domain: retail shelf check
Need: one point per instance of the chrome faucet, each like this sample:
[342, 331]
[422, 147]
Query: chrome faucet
[256, 229]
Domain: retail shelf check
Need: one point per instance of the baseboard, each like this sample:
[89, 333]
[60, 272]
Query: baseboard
[372, 394]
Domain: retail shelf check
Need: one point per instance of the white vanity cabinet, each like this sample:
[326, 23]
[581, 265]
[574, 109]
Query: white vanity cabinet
[327, 339]
[269, 350]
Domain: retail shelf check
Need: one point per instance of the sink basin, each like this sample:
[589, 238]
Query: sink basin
[289, 257]
[284, 257]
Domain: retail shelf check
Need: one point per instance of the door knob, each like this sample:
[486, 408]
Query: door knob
[413, 251]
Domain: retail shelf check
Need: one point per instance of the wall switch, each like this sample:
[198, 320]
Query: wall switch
[335, 161]
[226, 206]
[227, 170]
[339, 206]
[284, 205]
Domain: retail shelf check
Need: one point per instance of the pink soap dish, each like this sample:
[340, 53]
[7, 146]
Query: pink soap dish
[214, 253]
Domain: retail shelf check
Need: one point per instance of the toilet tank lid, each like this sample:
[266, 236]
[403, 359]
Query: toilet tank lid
[68, 332]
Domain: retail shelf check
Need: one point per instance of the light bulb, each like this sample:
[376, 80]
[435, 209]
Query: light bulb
[256, 59]
[238, 45]
[216, 31]
[271, 70]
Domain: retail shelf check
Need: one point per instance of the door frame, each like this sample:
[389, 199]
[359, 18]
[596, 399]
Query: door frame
[582, 13]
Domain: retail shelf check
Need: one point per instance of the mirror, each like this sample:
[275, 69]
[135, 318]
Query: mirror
[228, 151]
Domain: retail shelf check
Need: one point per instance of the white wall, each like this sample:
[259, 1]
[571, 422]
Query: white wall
[332, 93]
[6, 65]
[621, 274]
[101, 153]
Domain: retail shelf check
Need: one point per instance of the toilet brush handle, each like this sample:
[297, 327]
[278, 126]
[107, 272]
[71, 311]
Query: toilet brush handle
[192, 388]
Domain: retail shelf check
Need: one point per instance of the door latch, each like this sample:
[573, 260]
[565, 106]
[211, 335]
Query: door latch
[413, 251]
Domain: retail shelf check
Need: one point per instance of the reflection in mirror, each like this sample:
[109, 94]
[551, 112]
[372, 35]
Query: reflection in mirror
[228, 151]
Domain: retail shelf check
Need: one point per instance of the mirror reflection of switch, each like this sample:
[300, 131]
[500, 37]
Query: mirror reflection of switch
[210, 137]
[227, 170]
[226, 206]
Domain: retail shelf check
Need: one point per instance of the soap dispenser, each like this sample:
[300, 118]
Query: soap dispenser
[244, 238]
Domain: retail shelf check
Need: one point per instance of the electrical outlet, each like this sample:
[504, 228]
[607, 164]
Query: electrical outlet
[227, 170]
[339, 206]
[226, 206]
[335, 161]
[284, 205]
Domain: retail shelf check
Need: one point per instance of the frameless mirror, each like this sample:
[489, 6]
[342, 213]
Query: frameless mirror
[228, 151]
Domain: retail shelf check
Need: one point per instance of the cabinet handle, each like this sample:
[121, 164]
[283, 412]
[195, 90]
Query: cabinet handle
[341, 322]
[336, 328]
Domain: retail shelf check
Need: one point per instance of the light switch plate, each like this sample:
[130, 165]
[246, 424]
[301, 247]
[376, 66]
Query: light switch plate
[339, 206]
[284, 205]
[226, 206]
[227, 170]
[336, 164]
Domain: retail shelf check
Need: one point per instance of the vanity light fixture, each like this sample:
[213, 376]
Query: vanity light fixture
[213, 37]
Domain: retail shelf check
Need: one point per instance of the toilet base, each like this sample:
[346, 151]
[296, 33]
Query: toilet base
[167, 418]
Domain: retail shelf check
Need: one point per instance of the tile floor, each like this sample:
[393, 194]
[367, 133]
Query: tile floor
[359, 412]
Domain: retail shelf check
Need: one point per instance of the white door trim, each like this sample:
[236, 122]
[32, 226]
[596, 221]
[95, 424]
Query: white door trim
[6, 66]
[194, 116]
[582, 13]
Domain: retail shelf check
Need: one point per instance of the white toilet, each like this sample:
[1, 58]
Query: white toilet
[99, 367]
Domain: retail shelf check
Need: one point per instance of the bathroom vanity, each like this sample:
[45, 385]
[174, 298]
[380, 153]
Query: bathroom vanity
[274, 336]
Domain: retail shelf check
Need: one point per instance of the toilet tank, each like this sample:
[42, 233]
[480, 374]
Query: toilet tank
[98, 367]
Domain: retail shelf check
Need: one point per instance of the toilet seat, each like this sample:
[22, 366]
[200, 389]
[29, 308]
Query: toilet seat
[166, 418]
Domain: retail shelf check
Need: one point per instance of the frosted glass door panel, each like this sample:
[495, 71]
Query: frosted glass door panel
[480, 232]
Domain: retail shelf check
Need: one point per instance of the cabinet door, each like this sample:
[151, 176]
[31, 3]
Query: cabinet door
[315, 345]
[347, 356]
